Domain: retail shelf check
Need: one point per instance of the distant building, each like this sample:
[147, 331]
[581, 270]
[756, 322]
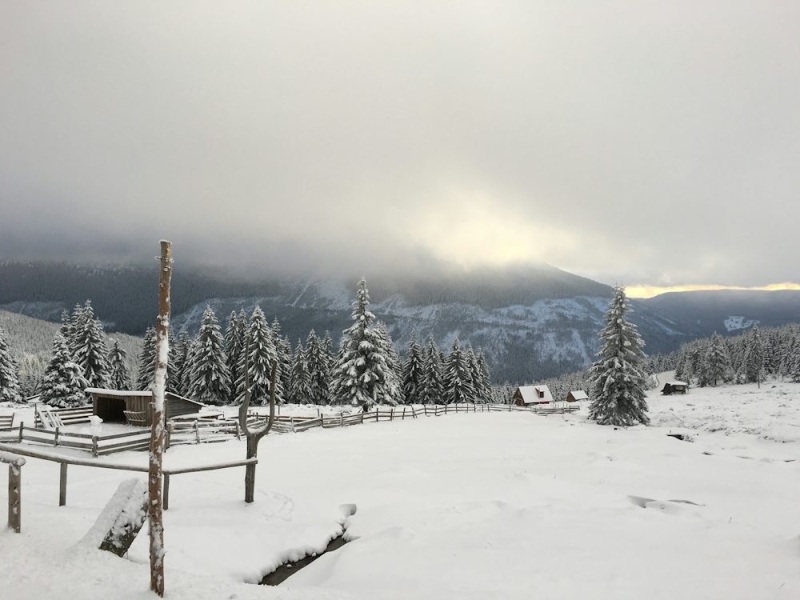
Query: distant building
[576, 396]
[532, 394]
[675, 387]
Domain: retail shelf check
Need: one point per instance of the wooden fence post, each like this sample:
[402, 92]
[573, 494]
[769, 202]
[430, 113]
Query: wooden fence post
[14, 490]
[21, 425]
[15, 495]
[55, 436]
[197, 431]
[62, 485]
[166, 491]
[94, 446]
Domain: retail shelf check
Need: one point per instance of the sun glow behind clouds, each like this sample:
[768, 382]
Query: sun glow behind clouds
[471, 230]
[649, 291]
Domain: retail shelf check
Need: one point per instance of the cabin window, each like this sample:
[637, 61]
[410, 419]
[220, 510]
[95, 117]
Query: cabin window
[541, 393]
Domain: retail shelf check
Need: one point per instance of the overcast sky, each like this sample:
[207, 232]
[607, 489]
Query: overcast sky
[652, 143]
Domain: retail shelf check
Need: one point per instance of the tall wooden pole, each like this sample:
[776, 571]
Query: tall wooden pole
[155, 512]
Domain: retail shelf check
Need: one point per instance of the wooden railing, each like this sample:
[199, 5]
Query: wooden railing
[68, 416]
[98, 445]
[9, 452]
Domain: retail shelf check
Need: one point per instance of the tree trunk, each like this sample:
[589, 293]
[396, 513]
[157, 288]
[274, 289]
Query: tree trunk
[250, 469]
[155, 512]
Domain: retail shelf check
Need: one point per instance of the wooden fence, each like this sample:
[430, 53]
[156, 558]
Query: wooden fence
[7, 450]
[98, 445]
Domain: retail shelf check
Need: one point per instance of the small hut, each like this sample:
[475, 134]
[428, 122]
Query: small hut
[577, 396]
[135, 407]
[675, 387]
[532, 394]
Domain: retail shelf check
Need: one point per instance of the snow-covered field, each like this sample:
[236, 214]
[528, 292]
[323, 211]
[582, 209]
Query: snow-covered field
[460, 506]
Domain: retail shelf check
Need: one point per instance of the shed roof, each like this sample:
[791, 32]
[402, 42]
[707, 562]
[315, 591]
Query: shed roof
[579, 395]
[683, 383]
[530, 394]
[107, 392]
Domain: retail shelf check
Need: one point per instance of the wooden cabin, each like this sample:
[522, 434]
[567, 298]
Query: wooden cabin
[675, 387]
[136, 407]
[577, 396]
[527, 395]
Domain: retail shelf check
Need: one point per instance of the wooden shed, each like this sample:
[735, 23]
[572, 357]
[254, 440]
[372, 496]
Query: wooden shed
[112, 406]
[532, 394]
[576, 396]
[675, 387]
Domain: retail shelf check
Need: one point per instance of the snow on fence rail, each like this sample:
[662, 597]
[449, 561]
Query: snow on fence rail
[64, 460]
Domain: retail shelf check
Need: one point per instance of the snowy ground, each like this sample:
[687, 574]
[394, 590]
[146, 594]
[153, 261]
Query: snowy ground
[460, 506]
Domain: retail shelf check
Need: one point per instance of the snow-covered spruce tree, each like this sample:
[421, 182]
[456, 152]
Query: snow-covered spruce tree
[90, 350]
[478, 391]
[299, 390]
[9, 378]
[717, 360]
[66, 329]
[185, 381]
[285, 360]
[76, 322]
[147, 361]
[432, 384]
[413, 372]
[457, 377]
[259, 353]
[234, 343]
[361, 375]
[485, 390]
[318, 366]
[63, 382]
[210, 380]
[754, 357]
[118, 376]
[618, 379]
[177, 364]
[393, 388]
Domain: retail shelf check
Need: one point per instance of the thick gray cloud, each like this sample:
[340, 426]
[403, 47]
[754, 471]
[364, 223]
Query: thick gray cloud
[642, 142]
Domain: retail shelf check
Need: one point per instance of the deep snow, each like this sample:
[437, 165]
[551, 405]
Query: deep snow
[460, 506]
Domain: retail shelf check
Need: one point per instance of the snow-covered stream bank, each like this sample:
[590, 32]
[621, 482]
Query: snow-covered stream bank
[468, 506]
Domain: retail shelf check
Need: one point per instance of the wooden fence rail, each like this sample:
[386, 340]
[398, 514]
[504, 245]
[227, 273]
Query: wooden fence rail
[14, 452]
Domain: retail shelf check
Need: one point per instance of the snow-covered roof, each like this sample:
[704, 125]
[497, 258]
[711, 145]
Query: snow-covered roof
[579, 395]
[677, 383]
[105, 392]
[532, 394]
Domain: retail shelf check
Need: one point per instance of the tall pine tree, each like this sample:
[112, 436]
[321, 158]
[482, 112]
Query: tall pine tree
[299, 390]
[617, 377]
[9, 379]
[318, 365]
[259, 355]
[89, 348]
[433, 384]
[119, 379]
[210, 380]
[717, 360]
[457, 377]
[413, 372]
[234, 344]
[63, 384]
[362, 375]
[147, 361]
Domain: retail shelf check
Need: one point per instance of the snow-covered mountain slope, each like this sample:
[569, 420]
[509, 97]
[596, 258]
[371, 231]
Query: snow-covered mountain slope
[522, 342]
